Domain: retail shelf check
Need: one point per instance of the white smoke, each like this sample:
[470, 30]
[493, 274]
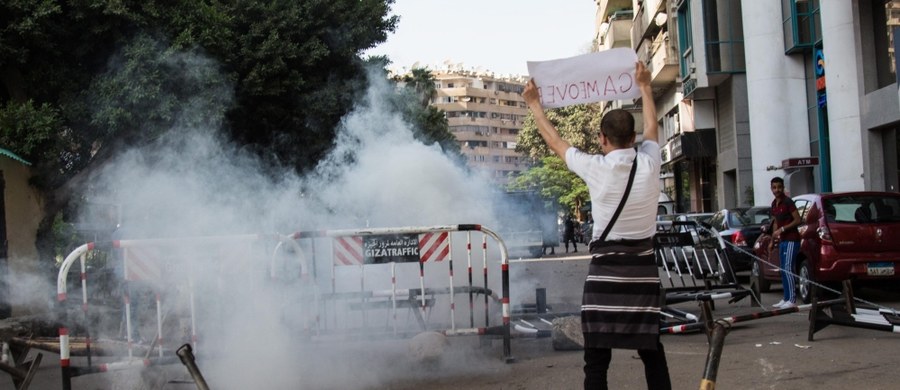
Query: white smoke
[253, 331]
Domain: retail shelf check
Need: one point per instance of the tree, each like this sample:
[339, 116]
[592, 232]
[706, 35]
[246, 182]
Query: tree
[577, 124]
[422, 81]
[554, 181]
[80, 79]
[429, 122]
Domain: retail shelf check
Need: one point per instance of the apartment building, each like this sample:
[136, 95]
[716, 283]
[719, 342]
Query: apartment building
[485, 113]
[822, 94]
[688, 147]
[801, 89]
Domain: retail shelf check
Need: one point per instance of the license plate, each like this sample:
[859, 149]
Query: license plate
[880, 269]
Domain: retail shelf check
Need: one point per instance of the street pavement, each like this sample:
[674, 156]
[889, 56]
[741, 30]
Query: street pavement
[767, 353]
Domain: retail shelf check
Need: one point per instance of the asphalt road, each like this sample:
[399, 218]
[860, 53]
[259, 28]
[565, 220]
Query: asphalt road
[767, 353]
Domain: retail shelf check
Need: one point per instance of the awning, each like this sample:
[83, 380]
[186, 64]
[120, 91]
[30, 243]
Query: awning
[13, 156]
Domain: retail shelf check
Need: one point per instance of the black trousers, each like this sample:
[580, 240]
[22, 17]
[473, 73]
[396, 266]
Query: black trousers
[596, 364]
[568, 239]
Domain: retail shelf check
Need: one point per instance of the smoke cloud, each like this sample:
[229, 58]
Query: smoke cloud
[256, 317]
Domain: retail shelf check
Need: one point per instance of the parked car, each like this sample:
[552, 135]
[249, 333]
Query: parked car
[700, 218]
[739, 227]
[847, 235]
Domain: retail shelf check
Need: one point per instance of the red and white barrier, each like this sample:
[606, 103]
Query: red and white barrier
[147, 262]
[353, 250]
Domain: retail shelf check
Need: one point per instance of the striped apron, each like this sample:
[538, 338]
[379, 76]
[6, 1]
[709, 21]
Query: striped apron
[621, 301]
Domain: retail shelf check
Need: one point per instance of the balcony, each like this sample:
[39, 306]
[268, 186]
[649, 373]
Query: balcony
[647, 24]
[663, 64]
[617, 34]
[607, 7]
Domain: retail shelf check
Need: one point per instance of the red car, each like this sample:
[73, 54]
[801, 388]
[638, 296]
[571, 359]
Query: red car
[849, 235]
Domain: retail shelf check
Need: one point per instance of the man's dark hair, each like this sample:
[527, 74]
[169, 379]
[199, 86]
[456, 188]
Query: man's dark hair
[618, 126]
[776, 180]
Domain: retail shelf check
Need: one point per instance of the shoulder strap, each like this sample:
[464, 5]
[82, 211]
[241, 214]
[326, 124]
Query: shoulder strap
[615, 215]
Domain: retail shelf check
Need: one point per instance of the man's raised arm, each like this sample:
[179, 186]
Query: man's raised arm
[651, 127]
[547, 130]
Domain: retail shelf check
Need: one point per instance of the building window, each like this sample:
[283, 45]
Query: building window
[723, 32]
[478, 130]
[802, 25]
[892, 10]
[884, 21]
[685, 45]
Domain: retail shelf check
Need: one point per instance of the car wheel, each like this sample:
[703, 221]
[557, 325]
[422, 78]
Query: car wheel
[758, 280]
[804, 288]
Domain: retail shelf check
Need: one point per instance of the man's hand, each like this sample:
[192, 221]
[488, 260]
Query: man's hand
[651, 126]
[531, 95]
[641, 74]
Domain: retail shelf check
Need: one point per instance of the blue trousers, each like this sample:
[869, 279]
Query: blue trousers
[787, 251]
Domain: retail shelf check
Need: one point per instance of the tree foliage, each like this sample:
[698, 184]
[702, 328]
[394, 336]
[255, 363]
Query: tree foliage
[578, 125]
[553, 181]
[430, 123]
[79, 79]
[31, 130]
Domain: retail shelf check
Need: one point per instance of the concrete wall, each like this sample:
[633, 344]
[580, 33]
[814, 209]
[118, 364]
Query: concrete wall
[776, 91]
[843, 75]
[24, 211]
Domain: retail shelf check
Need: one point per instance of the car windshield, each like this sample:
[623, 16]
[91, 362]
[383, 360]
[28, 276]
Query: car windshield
[759, 215]
[862, 209]
[739, 217]
[751, 216]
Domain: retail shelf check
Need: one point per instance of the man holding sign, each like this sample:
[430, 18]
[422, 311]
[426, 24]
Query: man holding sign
[620, 303]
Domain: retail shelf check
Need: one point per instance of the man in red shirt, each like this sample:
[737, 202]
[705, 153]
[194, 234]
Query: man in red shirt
[785, 219]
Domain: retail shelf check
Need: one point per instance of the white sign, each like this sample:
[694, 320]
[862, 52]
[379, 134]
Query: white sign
[588, 78]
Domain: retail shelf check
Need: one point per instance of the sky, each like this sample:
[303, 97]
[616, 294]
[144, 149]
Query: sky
[495, 35]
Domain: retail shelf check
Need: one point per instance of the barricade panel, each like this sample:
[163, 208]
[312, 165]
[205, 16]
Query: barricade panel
[692, 269]
[342, 283]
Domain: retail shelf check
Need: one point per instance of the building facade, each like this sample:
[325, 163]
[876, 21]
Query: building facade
[801, 89]
[485, 113]
[687, 124]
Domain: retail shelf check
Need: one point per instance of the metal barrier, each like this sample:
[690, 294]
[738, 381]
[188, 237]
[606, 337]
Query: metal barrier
[144, 261]
[154, 261]
[694, 271]
[20, 371]
[844, 311]
[393, 249]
